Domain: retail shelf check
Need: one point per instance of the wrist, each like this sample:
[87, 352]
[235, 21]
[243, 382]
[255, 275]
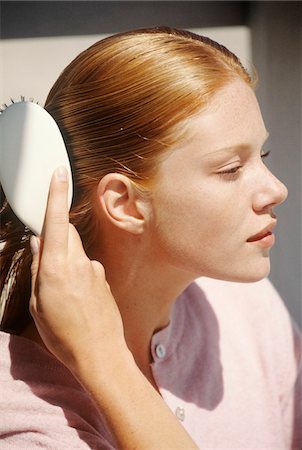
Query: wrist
[103, 364]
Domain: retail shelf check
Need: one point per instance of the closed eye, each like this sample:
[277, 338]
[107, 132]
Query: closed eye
[232, 170]
[231, 174]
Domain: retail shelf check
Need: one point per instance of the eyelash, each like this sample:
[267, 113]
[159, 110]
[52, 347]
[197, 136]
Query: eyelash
[234, 171]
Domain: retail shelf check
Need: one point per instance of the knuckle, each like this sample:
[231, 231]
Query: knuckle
[83, 264]
[99, 268]
[52, 268]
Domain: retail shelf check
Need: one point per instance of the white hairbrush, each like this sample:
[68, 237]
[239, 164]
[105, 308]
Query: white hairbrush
[31, 148]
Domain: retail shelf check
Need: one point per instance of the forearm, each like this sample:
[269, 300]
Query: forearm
[135, 412]
[80, 323]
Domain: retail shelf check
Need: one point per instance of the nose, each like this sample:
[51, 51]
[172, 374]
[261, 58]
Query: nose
[271, 192]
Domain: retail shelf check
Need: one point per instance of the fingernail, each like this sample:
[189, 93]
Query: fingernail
[34, 245]
[62, 174]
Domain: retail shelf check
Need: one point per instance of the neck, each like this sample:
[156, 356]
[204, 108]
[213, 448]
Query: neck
[145, 290]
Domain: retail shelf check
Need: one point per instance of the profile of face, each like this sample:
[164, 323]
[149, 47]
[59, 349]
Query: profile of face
[214, 199]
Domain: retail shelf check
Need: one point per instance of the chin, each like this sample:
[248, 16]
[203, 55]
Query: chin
[253, 274]
[245, 273]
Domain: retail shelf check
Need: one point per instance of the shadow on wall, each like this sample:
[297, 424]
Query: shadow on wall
[22, 19]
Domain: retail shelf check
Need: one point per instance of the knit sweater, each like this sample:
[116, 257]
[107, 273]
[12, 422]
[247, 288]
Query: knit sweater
[228, 365]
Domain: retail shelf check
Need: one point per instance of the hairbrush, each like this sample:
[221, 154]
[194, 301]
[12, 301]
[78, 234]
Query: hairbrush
[31, 148]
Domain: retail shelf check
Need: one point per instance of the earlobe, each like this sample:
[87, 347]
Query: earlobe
[120, 202]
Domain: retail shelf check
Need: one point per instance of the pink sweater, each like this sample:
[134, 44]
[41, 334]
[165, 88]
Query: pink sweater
[228, 365]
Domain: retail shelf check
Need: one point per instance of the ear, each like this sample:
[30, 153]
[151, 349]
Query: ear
[121, 203]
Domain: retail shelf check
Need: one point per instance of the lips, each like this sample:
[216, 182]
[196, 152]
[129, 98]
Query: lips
[267, 231]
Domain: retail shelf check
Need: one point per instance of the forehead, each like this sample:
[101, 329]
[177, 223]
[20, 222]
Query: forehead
[232, 118]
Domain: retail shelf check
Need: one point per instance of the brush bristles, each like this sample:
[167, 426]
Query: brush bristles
[22, 99]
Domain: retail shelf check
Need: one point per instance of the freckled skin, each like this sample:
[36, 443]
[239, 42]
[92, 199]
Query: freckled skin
[201, 217]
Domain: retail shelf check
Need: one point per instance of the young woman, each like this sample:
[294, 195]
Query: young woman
[165, 138]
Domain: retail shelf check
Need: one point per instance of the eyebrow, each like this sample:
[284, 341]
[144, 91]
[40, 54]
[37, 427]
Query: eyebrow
[233, 148]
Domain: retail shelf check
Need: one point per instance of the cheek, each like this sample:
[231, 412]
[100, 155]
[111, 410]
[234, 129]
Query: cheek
[191, 227]
[196, 212]
[205, 234]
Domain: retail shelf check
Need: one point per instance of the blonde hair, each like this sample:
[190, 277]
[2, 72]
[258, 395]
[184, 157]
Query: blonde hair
[119, 105]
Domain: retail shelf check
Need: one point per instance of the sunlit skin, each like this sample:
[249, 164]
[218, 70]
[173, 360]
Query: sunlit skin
[212, 194]
[215, 192]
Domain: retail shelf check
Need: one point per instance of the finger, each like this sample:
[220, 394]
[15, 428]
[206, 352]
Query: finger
[56, 224]
[35, 250]
[75, 245]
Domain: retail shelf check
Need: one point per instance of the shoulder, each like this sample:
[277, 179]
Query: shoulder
[262, 289]
[247, 301]
[44, 404]
[254, 315]
[257, 306]
[230, 301]
[22, 359]
[244, 304]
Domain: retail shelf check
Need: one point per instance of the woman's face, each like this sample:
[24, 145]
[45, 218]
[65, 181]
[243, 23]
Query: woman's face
[213, 204]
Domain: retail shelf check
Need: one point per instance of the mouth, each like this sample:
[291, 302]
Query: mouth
[265, 237]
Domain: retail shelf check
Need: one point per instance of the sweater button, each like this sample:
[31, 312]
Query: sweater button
[180, 413]
[160, 351]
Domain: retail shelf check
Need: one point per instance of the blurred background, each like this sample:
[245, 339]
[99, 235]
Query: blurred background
[39, 38]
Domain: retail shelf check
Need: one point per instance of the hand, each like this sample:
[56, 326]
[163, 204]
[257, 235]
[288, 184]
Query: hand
[71, 303]
[79, 322]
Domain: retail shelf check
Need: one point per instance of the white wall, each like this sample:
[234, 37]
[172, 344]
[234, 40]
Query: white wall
[32, 65]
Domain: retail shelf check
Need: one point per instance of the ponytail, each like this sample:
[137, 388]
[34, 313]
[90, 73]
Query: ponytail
[15, 261]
